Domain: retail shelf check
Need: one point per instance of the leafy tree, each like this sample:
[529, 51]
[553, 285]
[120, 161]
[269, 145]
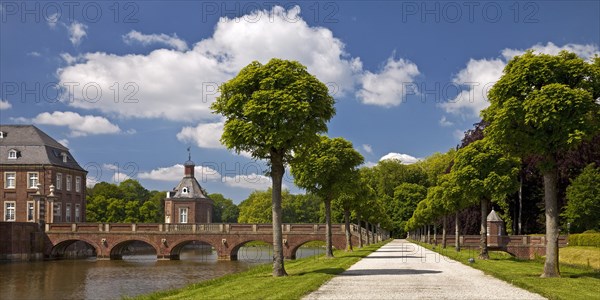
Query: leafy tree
[406, 198]
[485, 174]
[543, 105]
[257, 207]
[126, 202]
[325, 169]
[224, 210]
[584, 200]
[436, 165]
[132, 190]
[272, 110]
[303, 208]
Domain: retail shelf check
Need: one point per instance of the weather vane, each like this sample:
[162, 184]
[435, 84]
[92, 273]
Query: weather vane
[189, 153]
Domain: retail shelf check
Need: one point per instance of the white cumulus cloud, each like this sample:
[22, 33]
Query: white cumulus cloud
[367, 148]
[78, 124]
[251, 181]
[388, 87]
[479, 76]
[161, 39]
[181, 85]
[403, 158]
[175, 173]
[4, 104]
[77, 31]
[204, 135]
[444, 122]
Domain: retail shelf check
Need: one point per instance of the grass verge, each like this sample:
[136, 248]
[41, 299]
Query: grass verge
[305, 275]
[575, 283]
[581, 256]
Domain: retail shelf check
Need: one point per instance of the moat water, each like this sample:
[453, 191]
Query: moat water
[134, 275]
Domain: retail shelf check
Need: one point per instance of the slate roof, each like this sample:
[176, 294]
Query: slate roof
[493, 217]
[194, 189]
[34, 146]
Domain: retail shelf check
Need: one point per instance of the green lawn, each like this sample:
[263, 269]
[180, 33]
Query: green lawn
[305, 276]
[583, 256]
[575, 283]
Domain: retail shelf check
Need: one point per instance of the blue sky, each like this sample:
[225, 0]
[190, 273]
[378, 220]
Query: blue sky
[127, 86]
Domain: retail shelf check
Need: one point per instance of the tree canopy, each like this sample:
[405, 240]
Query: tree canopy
[582, 210]
[326, 169]
[541, 106]
[270, 111]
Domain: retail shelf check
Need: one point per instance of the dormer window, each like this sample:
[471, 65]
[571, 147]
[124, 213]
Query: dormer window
[12, 154]
[184, 190]
[2, 134]
[64, 156]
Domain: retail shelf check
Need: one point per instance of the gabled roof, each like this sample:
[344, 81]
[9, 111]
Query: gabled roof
[35, 147]
[493, 217]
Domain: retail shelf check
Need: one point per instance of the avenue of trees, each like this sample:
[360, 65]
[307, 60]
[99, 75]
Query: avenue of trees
[540, 134]
[534, 158]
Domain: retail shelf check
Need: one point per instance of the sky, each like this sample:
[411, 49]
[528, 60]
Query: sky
[127, 86]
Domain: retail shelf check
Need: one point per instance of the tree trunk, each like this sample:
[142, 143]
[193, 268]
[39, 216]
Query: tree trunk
[519, 225]
[456, 233]
[444, 233]
[348, 233]
[428, 234]
[483, 249]
[434, 234]
[368, 233]
[328, 243]
[277, 170]
[360, 239]
[551, 268]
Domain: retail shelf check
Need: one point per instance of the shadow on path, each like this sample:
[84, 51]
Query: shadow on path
[368, 272]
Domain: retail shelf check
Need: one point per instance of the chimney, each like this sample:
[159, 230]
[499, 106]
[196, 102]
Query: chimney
[189, 168]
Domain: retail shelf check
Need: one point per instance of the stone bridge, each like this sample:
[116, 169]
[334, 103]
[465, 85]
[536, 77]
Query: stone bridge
[111, 240]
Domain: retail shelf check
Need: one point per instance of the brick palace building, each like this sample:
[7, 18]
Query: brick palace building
[32, 162]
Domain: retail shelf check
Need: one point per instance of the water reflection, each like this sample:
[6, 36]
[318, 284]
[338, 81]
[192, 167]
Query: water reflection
[134, 275]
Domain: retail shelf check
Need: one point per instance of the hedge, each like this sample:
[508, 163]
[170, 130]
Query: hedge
[585, 239]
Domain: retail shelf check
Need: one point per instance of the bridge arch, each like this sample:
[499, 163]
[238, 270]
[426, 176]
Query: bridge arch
[179, 245]
[296, 246]
[234, 253]
[120, 247]
[60, 247]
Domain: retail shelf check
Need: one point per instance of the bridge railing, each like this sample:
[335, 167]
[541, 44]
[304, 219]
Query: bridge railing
[192, 228]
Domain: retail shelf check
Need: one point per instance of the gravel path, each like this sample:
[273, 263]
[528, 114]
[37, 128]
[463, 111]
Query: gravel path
[403, 270]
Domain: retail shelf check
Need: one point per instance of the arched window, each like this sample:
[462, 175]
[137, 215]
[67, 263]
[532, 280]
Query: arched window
[184, 190]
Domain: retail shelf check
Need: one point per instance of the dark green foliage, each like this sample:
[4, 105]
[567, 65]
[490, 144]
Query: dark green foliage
[296, 208]
[224, 210]
[406, 198]
[127, 202]
[583, 208]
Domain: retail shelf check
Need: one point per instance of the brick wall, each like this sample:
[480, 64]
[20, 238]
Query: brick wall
[21, 241]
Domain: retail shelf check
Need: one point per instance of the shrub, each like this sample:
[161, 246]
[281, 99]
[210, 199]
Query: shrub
[585, 239]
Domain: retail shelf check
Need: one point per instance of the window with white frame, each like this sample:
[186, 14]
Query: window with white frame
[57, 212]
[58, 181]
[12, 154]
[9, 211]
[77, 213]
[30, 211]
[69, 179]
[77, 184]
[32, 180]
[10, 180]
[68, 212]
[183, 215]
